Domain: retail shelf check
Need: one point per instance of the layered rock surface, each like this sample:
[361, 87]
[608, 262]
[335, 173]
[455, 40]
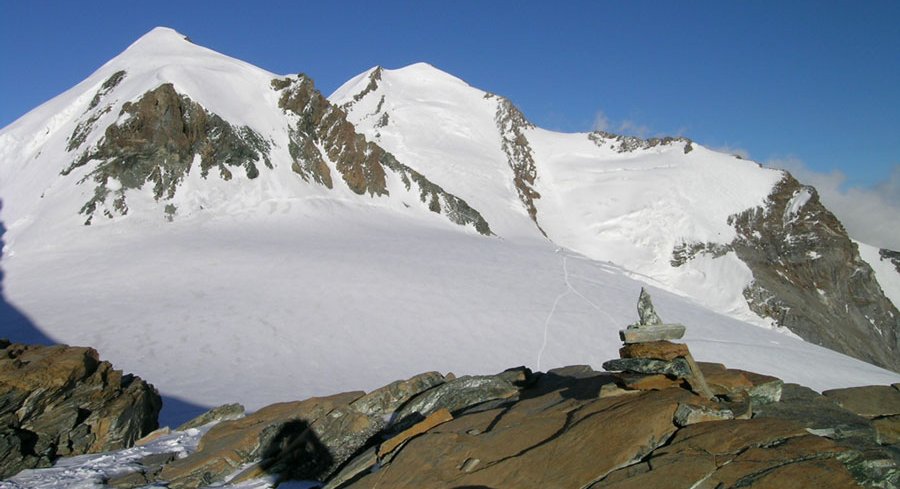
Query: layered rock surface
[60, 401]
[567, 428]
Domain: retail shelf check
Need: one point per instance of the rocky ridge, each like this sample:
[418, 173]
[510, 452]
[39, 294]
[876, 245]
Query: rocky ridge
[511, 123]
[362, 164]
[808, 276]
[568, 427]
[627, 144]
[61, 401]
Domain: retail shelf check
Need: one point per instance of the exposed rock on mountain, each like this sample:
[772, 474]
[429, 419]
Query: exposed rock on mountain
[362, 164]
[626, 144]
[893, 256]
[157, 142]
[626, 199]
[808, 276]
[60, 401]
[511, 123]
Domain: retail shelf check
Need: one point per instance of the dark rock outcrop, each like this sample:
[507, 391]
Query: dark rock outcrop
[94, 112]
[60, 401]
[157, 143]
[627, 144]
[873, 458]
[893, 256]
[808, 276]
[511, 123]
[319, 125]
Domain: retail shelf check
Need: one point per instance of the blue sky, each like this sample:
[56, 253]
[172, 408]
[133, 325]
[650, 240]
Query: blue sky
[809, 85]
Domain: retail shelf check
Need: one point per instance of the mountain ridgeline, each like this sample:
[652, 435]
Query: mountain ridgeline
[171, 130]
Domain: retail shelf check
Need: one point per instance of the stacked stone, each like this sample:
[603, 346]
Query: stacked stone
[653, 360]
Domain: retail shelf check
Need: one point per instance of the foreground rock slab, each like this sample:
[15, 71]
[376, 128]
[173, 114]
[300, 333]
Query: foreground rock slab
[60, 401]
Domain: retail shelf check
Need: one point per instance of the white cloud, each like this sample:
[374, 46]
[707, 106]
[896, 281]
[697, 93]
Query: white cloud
[732, 150]
[626, 127]
[601, 122]
[870, 214]
[633, 128]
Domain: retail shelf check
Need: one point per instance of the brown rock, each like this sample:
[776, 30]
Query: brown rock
[734, 436]
[263, 434]
[307, 439]
[869, 401]
[696, 379]
[554, 439]
[612, 390]
[153, 436]
[438, 417]
[667, 472]
[659, 350]
[887, 430]
[750, 465]
[389, 398]
[762, 389]
[820, 474]
[648, 382]
[61, 400]
[723, 381]
[705, 456]
[221, 413]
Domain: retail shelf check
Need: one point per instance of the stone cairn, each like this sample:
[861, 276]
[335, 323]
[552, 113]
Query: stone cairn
[651, 359]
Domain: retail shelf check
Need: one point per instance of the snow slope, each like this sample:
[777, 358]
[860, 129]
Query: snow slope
[314, 299]
[631, 208]
[885, 273]
[276, 289]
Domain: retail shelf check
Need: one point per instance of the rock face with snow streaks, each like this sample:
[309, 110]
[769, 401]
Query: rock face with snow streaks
[808, 276]
[362, 164]
[156, 143]
[511, 123]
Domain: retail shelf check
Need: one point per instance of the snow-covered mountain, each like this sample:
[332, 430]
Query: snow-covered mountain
[746, 241]
[227, 232]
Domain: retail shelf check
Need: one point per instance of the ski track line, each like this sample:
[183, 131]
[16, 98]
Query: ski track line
[569, 290]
